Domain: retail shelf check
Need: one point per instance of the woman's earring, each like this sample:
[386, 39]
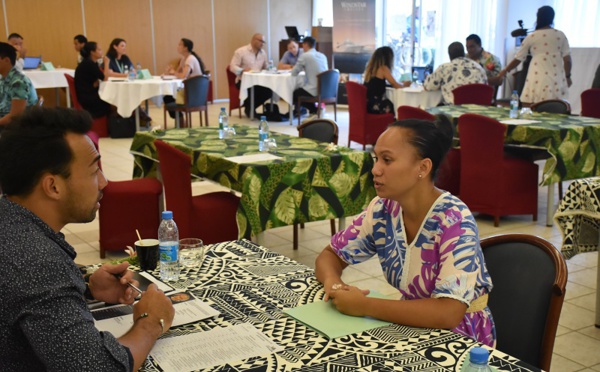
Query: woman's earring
[420, 176]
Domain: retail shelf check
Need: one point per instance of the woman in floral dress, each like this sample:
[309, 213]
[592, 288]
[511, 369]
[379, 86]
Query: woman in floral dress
[549, 74]
[426, 240]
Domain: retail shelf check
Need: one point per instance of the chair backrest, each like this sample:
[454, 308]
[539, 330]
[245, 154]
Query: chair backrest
[410, 112]
[328, 82]
[478, 94]
[357, 103]
[196, 91]
[175, 172]
[323, 130]
[481, 154]
[234, 92]
[590, 103]
[73, 92]
[529, 276]
[554, 106]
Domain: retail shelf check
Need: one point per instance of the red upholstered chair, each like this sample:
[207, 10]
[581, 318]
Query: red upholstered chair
[410, 112]
[99, 125]
[210, 217]
[490, 182]
[125, 207]
[478, 94]
[365, 128]
[448, 177]
[234, 93]
[590, 103]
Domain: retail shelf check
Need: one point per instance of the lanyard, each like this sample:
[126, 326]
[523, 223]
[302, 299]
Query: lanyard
[120, 65]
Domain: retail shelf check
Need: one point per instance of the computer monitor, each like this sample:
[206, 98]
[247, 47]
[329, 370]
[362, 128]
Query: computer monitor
[292, 32]
[31, 63]
[351, 63]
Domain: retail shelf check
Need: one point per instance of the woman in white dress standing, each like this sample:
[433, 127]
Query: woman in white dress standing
[549, 75]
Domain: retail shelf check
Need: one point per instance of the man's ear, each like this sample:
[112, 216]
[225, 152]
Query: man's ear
[52, 185]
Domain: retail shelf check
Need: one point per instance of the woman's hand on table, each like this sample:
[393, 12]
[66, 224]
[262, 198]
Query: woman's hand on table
[349, 300]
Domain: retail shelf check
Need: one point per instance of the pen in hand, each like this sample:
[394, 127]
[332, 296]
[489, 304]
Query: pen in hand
[118, 276]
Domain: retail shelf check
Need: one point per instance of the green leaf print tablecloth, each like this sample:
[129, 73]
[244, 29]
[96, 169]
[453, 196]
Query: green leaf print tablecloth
[308, 183]
[572, 141]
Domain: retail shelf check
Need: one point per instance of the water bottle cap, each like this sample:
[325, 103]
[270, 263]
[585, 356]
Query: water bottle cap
[167, 215]
[222, 108]
[515, 91]
[263, 118]
[479, 355]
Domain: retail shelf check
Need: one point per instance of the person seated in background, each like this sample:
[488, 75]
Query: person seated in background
[16, 91]
[458, 72]
[251, 58]
[290, 57]
[50, 176]
[87, 81]
[490, 63]
[377, 73]
[16, 41]
[312, 63]
[190, 65]
[116, 60]
[426, 241]
[78, 43]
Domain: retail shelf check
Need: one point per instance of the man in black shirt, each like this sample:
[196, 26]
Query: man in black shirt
[49, 175]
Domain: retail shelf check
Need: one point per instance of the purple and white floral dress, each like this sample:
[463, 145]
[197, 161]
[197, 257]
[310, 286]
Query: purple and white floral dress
[444, 259]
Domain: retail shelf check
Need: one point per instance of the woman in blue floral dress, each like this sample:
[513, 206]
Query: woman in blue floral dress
[426, 240]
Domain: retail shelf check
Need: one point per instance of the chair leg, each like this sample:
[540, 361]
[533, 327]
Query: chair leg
[239, 112]
[301, 225]
[560, 191]
[295, 239]
[332, 223]
[165, 117]
[496, 221]
[335, 111]
[206, 116]
[200, 114]
[102, 252]
[299, 108]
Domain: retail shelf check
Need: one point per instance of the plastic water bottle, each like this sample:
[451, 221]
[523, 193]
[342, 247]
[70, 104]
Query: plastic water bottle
[263, 133]
[223, 123]
[514, 105]
[478, 361]
[138, 68]
[168, 243]
[126, 71]
[415, 76]
[270, 65]
[131, 76]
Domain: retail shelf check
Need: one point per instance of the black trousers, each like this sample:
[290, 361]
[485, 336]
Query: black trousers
[261, 94]
[310, 106]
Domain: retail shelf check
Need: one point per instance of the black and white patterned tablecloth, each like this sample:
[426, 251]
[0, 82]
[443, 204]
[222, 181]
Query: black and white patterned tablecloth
[250, 284]
[578, 217]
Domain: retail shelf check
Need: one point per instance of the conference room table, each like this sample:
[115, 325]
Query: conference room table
[51, 79]
[280, 82]
[413, 96]
[303, 181]
[127, 95]
[571, 141]
[578, 219]
[249, 284]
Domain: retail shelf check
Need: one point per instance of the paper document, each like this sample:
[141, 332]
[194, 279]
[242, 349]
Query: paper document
[254, 158]
[118, 319]
[519, 121]
[206, 349]
[324, 317]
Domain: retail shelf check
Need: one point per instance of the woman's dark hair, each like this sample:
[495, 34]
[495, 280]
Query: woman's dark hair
[383, 56]
[432, 139]
[88, 48]
[34, 143]
[111, 52]
[190, 47]
[545, 17]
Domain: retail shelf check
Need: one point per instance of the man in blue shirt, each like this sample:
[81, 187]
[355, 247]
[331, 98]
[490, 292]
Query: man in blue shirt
[16, 90]
[312, 63]
[290, 57]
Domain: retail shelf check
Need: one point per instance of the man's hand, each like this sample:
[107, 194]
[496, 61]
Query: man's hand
[349, 300]
[106, 286]
[156, 305]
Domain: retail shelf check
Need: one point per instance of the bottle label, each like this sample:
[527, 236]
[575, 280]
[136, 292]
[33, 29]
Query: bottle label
[262, 136]
[169, 252]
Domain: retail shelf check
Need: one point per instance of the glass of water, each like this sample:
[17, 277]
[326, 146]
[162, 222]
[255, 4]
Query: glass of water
[271, 145]
[191, 252]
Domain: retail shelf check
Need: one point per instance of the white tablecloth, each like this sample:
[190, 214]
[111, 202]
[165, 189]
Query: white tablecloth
[282, 84]
[127, 95]
[416, 97]
[49, 79]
